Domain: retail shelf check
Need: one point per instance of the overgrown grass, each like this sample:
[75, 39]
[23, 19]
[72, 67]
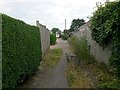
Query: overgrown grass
[52, 57]
[107, 79]
[76, 78]
[81, 49]
[100, 70]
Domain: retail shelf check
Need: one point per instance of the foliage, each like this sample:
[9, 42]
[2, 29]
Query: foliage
[106, 78]
[54, 30]
[112, 84]
[52, 39]
[76, 23]
[66, 31]
[52, 57]
[76, 77]
[105, 26]
[65, 34]
[21, 50]
[100, 70]
[81, 48]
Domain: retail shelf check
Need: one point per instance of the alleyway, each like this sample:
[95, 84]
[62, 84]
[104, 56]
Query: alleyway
[52, 78]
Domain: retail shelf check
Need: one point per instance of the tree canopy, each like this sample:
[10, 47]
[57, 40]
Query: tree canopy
[76, 23]
[54, 30]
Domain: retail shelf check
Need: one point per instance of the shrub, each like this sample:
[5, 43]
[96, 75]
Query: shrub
[52, 39]
[113, 84]
[81, 49]
[100, 70]
[105, 26]
[21, 50]
[65, 36]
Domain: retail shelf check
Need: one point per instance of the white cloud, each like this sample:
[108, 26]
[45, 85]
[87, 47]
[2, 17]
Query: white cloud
[51, 13]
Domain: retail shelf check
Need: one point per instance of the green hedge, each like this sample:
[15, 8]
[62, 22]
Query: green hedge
[105, 26]
[52, 39]
[65, 36]
[21, 50]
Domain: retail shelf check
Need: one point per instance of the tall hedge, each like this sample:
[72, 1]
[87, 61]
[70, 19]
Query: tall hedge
[105, 26]
[21, 50]
[52, 39]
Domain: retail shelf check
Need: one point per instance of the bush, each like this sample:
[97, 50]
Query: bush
[113, 84]
[81, 49]
[52, 39]
[21, 50]
[65, 36]
[105, 26]
[100, 70]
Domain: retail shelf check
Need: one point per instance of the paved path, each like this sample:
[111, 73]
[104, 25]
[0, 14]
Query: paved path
[52, 78]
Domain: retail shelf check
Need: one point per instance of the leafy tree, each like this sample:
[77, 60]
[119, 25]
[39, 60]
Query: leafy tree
[105, 27]
[54, 30]
[65, 34]
[76, 23]
[66, 31]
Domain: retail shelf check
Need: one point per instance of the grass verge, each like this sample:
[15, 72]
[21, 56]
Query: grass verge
[52, 58]
[106, 78]
[76, 77]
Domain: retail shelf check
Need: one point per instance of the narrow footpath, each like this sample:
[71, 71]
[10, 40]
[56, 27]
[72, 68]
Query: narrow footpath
[51, 78]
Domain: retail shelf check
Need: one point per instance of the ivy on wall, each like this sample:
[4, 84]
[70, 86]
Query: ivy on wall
[105, 27]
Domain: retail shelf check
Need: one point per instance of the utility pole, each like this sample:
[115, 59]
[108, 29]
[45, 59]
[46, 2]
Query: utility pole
[65, 27]
[65, 24]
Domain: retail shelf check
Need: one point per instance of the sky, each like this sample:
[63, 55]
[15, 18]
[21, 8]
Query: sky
[51, 13]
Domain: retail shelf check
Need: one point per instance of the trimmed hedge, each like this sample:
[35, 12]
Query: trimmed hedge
[52, 39]
[21, 50]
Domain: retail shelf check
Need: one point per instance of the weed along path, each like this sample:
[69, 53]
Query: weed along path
[54, 77]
